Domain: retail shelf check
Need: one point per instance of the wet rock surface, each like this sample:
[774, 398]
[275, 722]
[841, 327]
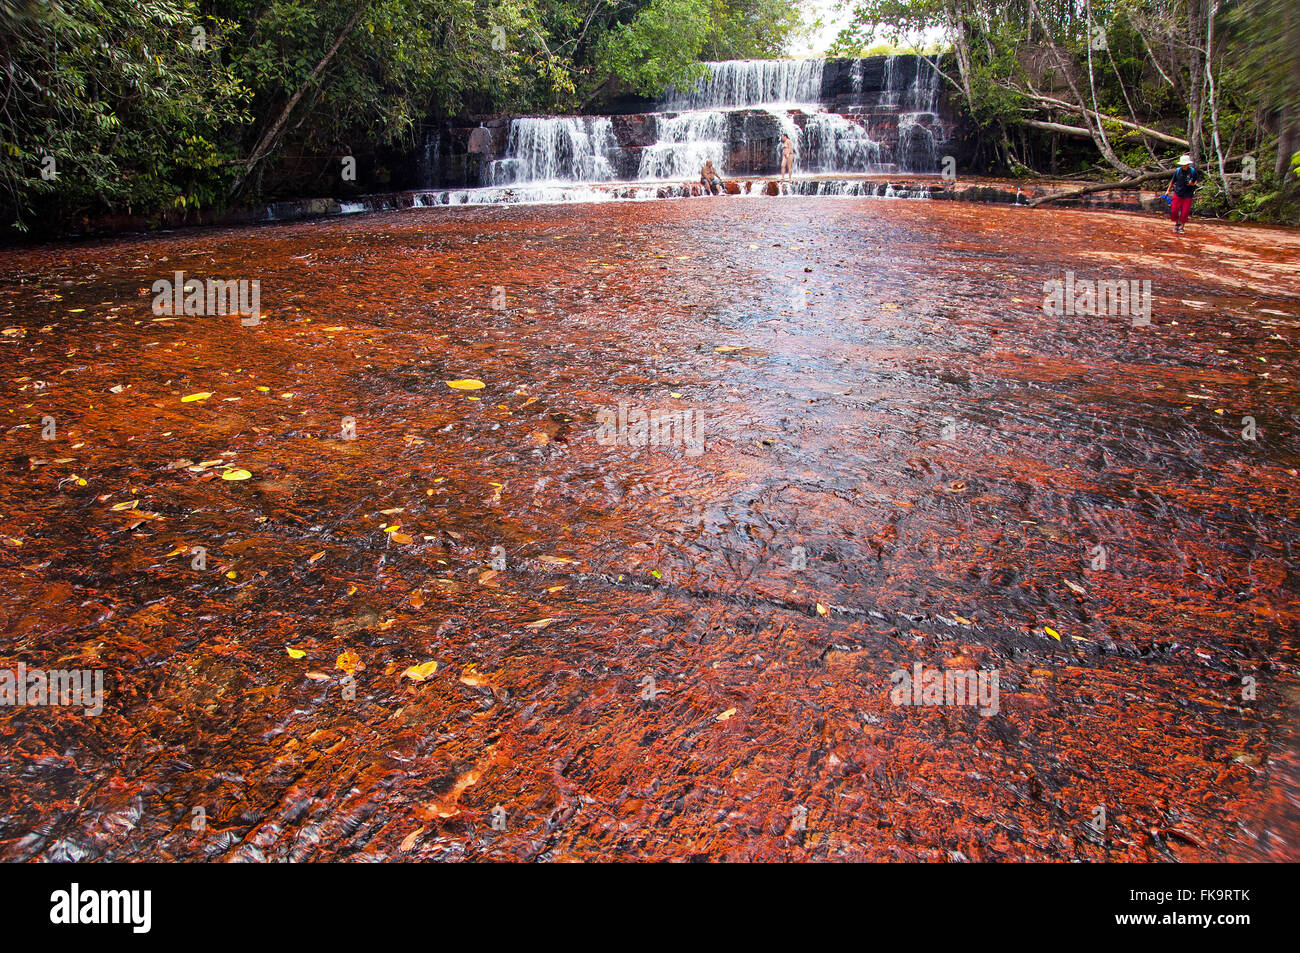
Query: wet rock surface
[647, 651]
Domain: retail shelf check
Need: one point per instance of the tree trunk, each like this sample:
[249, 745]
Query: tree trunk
[1196, 15]
[267, 139]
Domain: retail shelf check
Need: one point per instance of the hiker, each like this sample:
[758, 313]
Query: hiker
[787, 156]
[1185, 182]
[709, 177]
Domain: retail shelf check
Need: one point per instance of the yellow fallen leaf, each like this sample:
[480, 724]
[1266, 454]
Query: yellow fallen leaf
[317, 557]
[538, 624]
[467, 384]
[348, 661]
[295, 653]
[235, 475]
[418, 673]
[726, 714]
[128, 505]
[821, 609]
[728, 348]
[1052, 632]
[191, 398]
[674, 394]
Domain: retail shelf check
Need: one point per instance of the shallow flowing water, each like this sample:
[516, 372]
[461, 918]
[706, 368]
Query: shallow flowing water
[680, 651]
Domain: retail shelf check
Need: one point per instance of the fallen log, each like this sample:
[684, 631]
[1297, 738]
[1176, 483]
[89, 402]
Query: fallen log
[1110, 186]
[1104, 187]
[1057, 127]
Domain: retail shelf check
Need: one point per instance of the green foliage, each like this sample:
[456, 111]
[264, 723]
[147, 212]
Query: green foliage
[662, 45]
[110, 105]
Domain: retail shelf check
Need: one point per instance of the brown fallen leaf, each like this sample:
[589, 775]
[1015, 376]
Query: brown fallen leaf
[417, 598]
[409, 841]
[446, 806]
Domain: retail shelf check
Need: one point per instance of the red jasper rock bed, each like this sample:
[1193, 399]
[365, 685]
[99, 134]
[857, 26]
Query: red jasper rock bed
[642, 652]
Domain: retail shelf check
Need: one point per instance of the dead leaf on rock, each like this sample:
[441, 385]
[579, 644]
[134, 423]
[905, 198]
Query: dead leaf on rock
[409, 841]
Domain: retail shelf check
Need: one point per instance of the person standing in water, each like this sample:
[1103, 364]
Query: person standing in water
[1184, 184]
[709, 177]
[787, 156]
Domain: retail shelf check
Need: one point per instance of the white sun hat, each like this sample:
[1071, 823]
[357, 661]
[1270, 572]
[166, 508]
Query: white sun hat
[1184, 159]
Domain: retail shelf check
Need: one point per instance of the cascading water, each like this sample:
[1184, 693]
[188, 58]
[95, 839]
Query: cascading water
[832, 143]
[852, 117]
[578, 149]
[738, 83]
[919, 128]
[923, 96]
[889, 91]
[685, 143]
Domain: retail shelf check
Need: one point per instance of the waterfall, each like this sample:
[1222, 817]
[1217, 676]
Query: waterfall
[557, 149]
[923, 97]
[919, 129]
[889, 94]
[835, 144]
[737, 83]
[684, 143]
[853, 117]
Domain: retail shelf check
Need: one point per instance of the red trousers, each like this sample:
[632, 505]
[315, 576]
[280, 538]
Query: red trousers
[1180, 209]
